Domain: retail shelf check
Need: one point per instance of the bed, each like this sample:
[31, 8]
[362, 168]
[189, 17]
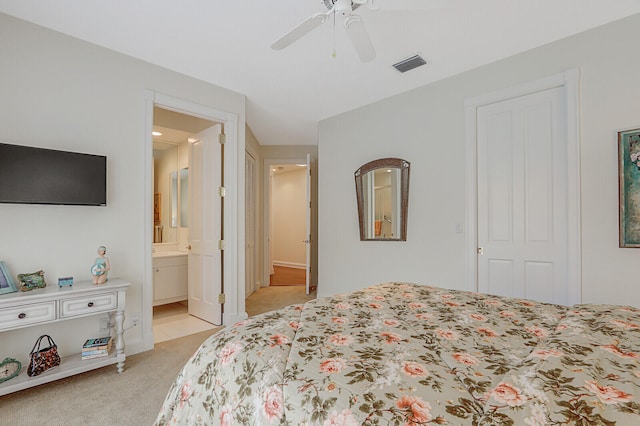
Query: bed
[408, 354]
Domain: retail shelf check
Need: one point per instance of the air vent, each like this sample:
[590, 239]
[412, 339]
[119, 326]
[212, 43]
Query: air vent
[409, 63]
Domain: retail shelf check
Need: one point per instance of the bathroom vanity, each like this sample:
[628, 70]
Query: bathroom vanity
[170, 277]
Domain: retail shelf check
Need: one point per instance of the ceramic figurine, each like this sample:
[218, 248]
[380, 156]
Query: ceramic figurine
[100, 268]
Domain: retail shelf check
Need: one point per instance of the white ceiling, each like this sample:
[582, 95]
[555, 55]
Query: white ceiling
[288, 92]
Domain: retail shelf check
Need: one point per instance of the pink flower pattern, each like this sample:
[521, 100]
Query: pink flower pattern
[185, 392]
[538, 332]
[279, 339]
[508, 394]
[486, 331]
[229, 352]
[343, 418]
[607, 394]
[416, 355]
[341, 340]
[226, 416]
[417, 411]
[464, 358]
[391, 337]
[273, 404]
[614, 349]
[447, 334]
[332, 365]
[414, 369]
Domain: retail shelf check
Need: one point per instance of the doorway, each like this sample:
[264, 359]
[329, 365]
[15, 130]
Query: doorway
[178, 308]
[288, 224]
[233, 262]
[290, 246]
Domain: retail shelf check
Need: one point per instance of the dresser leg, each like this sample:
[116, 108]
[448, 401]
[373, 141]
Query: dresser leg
[120, 356]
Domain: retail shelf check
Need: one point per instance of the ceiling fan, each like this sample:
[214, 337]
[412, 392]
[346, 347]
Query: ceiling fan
[353, 23]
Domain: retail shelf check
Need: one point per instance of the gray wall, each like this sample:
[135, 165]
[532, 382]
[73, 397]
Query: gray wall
[427, 127]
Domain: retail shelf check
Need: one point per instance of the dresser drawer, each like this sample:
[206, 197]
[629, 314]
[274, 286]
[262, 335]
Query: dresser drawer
[20, 316]
[88, 305]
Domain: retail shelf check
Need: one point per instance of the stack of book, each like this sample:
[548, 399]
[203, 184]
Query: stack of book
[96, 348]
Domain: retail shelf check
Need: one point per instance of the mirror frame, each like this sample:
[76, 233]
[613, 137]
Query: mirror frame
[384, 163]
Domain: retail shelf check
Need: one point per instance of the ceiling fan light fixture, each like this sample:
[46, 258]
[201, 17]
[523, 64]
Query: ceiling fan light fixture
[410, 63]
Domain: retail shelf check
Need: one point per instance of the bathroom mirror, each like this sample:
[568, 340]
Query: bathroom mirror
[174, 199]
[165, 181]
[184, 197]
[382, 194]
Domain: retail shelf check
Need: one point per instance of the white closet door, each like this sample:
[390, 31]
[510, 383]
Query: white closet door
[250, 224]
[522, 193]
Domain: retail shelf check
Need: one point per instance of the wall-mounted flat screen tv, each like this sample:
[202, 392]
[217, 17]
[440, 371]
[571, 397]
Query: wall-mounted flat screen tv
[30, 175]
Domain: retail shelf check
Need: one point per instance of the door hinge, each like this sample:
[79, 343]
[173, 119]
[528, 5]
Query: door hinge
[480, 250]
[222, 191]
[221, 245]
[221, 298]
[222, 138]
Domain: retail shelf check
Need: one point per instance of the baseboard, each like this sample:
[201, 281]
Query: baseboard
[289, 264]
[229, 320]
[135, 346]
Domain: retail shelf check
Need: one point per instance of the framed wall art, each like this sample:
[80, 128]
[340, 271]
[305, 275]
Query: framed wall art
[629, 187]
[7, 285]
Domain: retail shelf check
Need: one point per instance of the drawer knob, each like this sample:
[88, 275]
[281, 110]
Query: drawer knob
[90, 304]
[22, 315]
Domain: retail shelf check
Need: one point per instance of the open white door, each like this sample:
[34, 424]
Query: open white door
[205, 225]
[308, 219]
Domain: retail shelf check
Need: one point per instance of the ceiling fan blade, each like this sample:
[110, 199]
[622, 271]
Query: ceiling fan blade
[301, 30]
[360, 38]
[404, 4]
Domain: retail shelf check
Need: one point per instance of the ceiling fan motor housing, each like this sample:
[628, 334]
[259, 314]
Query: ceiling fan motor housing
[329, 3]
[343, 7]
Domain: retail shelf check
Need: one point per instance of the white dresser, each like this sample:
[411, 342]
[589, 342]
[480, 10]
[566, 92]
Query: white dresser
[53, 304]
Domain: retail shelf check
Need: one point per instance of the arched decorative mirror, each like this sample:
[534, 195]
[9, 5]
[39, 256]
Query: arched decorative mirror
[382, 193]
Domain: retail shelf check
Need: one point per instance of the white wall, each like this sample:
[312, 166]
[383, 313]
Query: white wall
[62, 93]
[288, 217]
[426, 127]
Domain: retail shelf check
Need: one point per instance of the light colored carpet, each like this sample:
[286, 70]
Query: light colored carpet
[270, 298]
[103, 397]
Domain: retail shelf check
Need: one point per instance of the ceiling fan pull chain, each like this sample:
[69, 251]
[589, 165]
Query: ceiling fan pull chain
[334, 36]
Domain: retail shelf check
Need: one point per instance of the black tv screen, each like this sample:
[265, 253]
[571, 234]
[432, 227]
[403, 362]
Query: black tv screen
[31, 175]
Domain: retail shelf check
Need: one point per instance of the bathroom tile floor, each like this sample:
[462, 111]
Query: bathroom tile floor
[172, 320]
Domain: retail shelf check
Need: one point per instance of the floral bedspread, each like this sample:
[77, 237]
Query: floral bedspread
[407, 354]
